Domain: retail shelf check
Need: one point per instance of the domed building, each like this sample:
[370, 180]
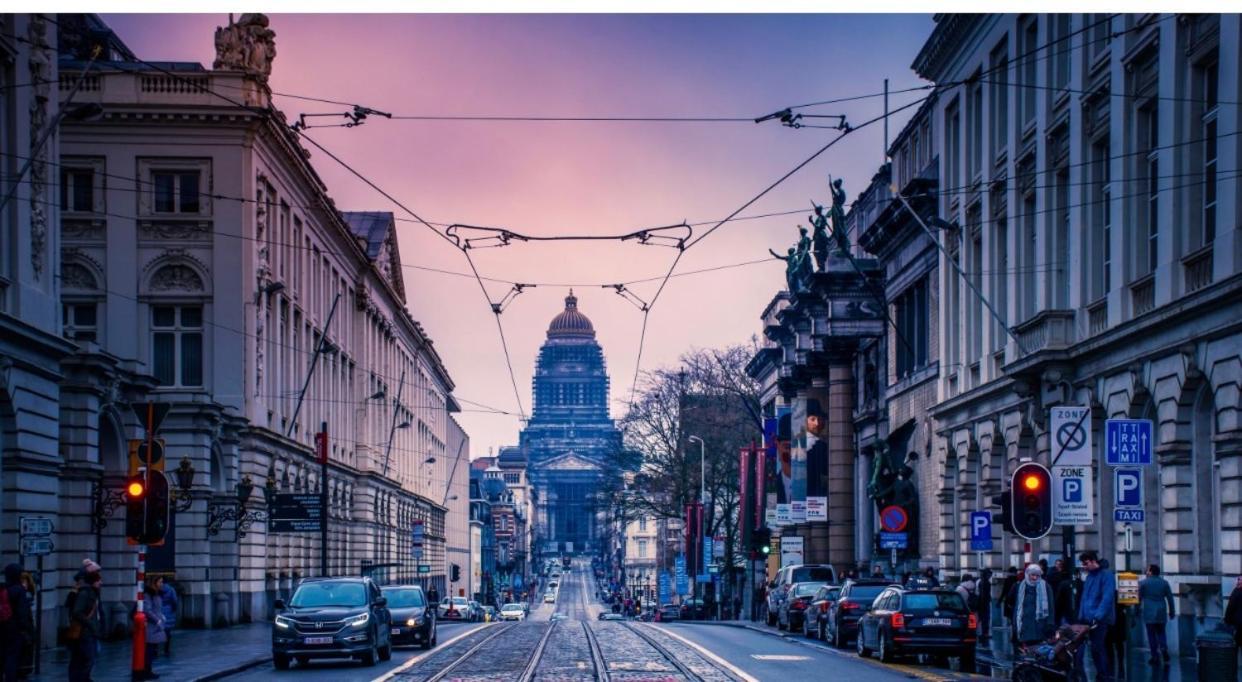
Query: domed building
[570, 440]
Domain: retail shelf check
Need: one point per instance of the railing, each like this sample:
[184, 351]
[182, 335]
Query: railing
[1198, 269]
[178, 85]
[1048, 329]
[1143, 295]
[1097, 317]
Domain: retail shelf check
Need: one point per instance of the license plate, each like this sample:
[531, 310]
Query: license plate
[317, 640]
[937, 621]
[396, 631]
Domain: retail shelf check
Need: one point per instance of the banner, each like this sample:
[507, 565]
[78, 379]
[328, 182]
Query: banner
[791, 550]
[744, 515]
[816, 508]
[797, 448]
[815, 435]
[783, 515]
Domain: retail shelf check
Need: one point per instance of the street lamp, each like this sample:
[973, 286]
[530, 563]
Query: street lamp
[702, 506]
[185, 481]
[219, 512]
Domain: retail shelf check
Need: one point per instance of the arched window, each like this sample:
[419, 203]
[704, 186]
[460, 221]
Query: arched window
[176, 293]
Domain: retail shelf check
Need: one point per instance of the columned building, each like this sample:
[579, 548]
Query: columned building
[200, 263]
[570, 441]
[1091, 195]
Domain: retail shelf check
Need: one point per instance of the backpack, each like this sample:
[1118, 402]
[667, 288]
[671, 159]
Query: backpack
[6, 609]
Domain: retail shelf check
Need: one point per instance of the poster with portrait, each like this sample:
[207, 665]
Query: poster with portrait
[815, 425]
[797, 501]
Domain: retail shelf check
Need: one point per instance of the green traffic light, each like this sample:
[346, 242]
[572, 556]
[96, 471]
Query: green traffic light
[766, 549]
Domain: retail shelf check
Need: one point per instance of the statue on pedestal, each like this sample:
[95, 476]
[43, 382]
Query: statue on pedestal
[820, 240]
[247, 45]
[798, 267]
[839, 230]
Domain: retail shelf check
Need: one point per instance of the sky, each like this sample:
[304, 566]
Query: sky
[545, 178]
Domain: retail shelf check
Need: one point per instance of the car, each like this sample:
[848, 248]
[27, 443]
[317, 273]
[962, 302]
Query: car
[455, 608]
[549, 597]
[413, 621]
[787, 576]
[512, 611]
[903, 622]
[817, 616]
[490, 613]
[553, 584]
[608, 615]
[332, 618]
[792, 616]
[693, 609]
[476, 611]
[668, 612]
[855, 598]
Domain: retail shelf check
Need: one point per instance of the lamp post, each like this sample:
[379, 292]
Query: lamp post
[219, 512]
[702, 507]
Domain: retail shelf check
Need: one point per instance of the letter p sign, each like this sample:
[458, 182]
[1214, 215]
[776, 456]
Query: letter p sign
[1129, 485]
[1071, 489]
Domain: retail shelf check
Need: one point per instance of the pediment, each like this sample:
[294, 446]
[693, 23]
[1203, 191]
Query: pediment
[569, 461]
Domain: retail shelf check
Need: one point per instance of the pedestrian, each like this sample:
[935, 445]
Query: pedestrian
[1233, 612]
[433, 595]
[968, 589]
[172, 606]
[1034, 616]
[1005, 598]
[26, 665]
[1056, 574]
[153, 609]
[983, 592]
[877, 571]
[1067, 596]
[83, 632]
[16, 623]
[1096, 608]
[930, 574]
[1156, 606]
[1118, 633]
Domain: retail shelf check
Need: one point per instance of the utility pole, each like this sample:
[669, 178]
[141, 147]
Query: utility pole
[321, 447]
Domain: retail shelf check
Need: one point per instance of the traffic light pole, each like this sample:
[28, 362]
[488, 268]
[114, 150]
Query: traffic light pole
[321, 446]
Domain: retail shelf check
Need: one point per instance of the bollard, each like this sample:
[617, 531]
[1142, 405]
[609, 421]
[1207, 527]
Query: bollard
[1218, 658]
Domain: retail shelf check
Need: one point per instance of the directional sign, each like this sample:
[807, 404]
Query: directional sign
[36, 526]
[1129, 486]
[1072, 499]
[981, 531]
[893, 519]
[37, 546]
[707, 549]
[294, 513]
[1071, 435]
[894, 540]
[424, 568]
[1127, 441]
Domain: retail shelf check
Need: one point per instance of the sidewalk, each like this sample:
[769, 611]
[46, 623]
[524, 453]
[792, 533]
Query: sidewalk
[196, 655]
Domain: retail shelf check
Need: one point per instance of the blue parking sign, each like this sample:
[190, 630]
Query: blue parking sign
[981, 531]
[1129, 486]
[1127, 441]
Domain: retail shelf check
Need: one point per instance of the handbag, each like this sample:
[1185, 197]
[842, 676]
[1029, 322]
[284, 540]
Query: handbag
[74, 633]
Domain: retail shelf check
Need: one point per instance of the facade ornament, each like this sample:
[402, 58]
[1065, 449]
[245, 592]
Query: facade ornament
[41, 60]
[797, 263]
[176, 278]
[246, 45]
[179, 230]
[75, 276]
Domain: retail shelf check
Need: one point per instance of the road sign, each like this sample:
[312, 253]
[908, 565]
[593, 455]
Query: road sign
[295, 513]
[37, 546]
[981, 531]
[1071, 435]
[157, 413]
[1127, 441]
[707, 549]
[1129, 486]
[894, 519]
[1072, 500]
[894, 540]
[36, 526]
[718, 547]
[791, 550]
[1129, 515]
[679, 569]
[424, 568]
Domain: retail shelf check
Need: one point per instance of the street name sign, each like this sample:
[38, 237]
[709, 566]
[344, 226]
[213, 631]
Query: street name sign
[890, 540]
[295, 513]
[36, 526]
[1127, 441]
[1071, 435]
[37, 546]
[981, 531]
[1072, 500]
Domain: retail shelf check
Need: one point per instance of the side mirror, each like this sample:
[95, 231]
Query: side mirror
[381, 602]
[279, 604]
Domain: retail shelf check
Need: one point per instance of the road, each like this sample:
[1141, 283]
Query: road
[566, 642]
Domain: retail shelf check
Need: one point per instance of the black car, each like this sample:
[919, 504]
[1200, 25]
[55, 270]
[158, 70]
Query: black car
[413, 620]
[793, 613]
[856, 597]
[693, 609]
[332, 618]
[904, 622]
[816, 625]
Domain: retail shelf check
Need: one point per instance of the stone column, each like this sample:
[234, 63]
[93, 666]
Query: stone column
[841, 463]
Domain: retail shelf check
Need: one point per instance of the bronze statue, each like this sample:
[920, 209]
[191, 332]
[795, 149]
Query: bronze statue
[839, 230]
[820, 240]
[792, 268]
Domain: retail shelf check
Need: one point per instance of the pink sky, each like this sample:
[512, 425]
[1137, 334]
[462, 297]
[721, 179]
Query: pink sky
[547, 178]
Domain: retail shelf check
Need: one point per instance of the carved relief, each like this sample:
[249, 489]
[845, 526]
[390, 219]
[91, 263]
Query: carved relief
[247, 45]
[177, 230]
[40, 61]
[176, 278]
[83, 229]
[75, 276]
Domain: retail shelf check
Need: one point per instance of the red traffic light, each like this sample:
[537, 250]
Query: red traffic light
[1032, 482]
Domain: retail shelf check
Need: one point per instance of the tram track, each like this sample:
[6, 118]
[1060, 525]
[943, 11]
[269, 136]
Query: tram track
[597, 654]
[532, 666]
[457, 662]
[668, 655]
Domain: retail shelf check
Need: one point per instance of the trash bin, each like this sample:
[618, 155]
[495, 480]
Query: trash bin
[1218, 659]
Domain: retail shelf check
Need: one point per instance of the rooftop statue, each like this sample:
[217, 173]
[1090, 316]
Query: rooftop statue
[246, 45]
[820, 239]
[839, 230]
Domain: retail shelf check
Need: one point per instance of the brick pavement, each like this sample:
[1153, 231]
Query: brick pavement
[196, 655]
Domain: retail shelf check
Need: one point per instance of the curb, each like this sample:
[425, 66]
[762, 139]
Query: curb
[246, 665]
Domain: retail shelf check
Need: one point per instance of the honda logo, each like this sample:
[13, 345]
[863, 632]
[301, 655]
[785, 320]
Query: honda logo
[318, 626]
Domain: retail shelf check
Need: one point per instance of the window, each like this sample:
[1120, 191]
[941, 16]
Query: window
[176, 191]
[998, 98]
[1030, 57]
[1100, 32]
[912, 326]
[953, 145]
[1151, 180]
[974, 315]
[77, 189]
[975, 143]
[642, 549]
[177, 344]
[642, 524]
[1102, 218]
[1061, 50]
[1208, 77]
[1061, 233]
[1000, 279]
[80, 321]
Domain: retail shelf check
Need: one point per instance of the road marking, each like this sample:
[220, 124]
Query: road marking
[779, 657]
[913, 671]
[414, 661]
[716, 659]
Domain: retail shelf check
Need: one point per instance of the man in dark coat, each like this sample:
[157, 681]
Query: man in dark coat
[17, 630]
[1233, 611]
[1156, 605]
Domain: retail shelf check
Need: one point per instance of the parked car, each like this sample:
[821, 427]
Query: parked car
[490, 613]
[413, 620]
[455, 608]
[476, 611]
[693, 609]
[792, 615]
[816, 624]
[787, 576]
[549, 597]
[512, 612]
[855, 598]
[332, 618]
[668, 612]
[902, 622]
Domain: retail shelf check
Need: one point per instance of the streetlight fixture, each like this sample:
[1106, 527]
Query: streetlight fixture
[182, 499]
[219, 512]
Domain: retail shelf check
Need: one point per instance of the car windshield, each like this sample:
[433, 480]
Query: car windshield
[511, 607]
[805, 589]
[822, 574]
[933, 601]
[320, 594]
[865, 594]
[404, 597]
[459, 601]
[829, 593]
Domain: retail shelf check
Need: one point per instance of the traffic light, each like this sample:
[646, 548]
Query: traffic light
[1031, 513]
[454, 573]
[146, 508]
[157, 507]
[136, 508]
[761, 541]
[1005, 517]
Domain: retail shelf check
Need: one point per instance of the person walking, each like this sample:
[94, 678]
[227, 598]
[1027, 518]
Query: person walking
[1096, 608]
[1034, 616]
[16, 623]
[83, 633]
[1156, 606]
[153, 609]
[172, 606]
[1233, 612]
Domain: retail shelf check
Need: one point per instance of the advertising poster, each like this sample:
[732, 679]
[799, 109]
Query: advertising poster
[815, 429]
[798, 460]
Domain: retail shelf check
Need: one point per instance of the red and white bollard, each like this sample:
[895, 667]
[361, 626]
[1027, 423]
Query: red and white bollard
[138, 661]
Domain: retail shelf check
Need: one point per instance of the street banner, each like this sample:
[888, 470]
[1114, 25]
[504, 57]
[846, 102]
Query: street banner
[1071, 435]
[1073, 502]
[663, 585]
[783, 464]
[791, 550]
[744, 515]
[815, 441]
[760, 486]
[679, 572]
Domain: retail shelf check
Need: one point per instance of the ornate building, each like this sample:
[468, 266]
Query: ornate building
[570, 439]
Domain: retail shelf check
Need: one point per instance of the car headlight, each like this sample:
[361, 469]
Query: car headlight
[360, 620]
[411, 622]
[282, 622]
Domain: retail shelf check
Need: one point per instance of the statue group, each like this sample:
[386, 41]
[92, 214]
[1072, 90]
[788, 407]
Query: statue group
[246, 45]
[819, 245]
